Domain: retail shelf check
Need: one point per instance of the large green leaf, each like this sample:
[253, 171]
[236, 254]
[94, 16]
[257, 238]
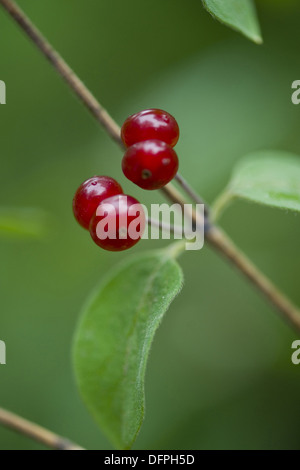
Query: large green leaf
[267, 177]
[113, 340]
[238, 14]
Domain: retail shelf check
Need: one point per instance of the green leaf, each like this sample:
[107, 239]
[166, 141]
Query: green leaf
[23, 222]
[238, 14]
[113, 340]
[267, 177]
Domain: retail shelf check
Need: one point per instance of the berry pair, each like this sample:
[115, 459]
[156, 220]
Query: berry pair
[100, 206]
[150, 161]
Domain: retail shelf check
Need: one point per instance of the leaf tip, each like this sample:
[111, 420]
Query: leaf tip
[258, 39]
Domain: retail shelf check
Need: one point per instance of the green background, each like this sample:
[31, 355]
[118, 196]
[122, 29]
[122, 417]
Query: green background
[220, 374]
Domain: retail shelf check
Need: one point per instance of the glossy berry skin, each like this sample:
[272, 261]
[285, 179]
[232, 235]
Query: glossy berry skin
[89, 195]
[118, 224]
[148, 125]
[150, 164]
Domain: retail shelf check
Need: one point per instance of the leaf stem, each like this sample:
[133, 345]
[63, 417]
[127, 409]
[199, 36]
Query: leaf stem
[220, 204]
[36, 432]
[176, 249]
[215, 236]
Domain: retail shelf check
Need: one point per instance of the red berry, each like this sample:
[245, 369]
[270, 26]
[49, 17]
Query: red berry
[150, 164]
[150, 124]
[118, 224]
[89, 195]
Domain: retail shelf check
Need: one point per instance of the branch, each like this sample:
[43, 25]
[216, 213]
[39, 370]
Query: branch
[164, 227]
[215, 236]
[64, 70]
[38, 433]
[191, 192]
[222, 243]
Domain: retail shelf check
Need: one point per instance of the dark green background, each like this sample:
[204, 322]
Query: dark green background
[220, 374]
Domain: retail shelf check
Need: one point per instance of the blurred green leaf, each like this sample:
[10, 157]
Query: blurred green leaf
[238, 14]
[23, 222]
[269, 177]
[114, 337]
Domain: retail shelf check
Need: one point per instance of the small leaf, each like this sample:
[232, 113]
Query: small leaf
[23, 222]
[267, 177]
[238, 14]
[113, 340]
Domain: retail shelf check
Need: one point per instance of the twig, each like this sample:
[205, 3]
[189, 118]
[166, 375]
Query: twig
[64, 70]
[190, 191]
[222, 243]
[164, 227]
[216, 238]
[36, 432]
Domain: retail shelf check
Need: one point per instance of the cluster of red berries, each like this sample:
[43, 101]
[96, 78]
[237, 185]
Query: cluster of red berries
[149, 161]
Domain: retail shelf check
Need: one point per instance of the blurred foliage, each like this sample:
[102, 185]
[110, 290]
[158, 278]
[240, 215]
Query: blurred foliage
[24, 222]
[220, 374]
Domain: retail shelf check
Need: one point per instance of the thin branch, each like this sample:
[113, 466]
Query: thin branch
[175, 196]
[64, 70]
[176, 230]
[223, 244]
[36, 432]
[190, 191]
[216, 238]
